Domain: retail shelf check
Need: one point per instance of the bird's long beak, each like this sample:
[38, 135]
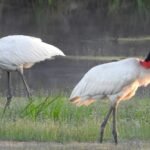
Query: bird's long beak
[148, 57]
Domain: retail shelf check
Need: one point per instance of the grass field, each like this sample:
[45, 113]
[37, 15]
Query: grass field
[55, 119]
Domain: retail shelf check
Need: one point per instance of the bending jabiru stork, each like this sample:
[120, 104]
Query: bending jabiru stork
[19, 52]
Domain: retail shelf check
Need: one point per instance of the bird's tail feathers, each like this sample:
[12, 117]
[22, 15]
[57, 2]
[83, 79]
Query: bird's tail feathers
[53, 51]
[78, 101]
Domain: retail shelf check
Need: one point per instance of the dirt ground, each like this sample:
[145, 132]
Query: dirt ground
[130, 145]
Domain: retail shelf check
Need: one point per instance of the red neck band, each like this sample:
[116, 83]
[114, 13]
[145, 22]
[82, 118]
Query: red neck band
[145, 64]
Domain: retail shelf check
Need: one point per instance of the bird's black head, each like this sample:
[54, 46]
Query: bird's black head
[148, 57]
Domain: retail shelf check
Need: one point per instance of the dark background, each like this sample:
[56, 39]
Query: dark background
[79, 28]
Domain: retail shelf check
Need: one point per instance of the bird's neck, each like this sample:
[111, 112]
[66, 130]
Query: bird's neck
[145, 64]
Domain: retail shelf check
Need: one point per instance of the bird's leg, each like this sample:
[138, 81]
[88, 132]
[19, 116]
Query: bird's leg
[114, 131]
[9, 93]
[20, 71]
[104, 123]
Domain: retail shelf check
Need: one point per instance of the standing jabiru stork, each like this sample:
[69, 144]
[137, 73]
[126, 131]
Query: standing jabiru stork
[117, 81]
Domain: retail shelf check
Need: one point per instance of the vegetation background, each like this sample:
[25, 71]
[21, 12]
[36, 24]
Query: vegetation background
[88, 29]
[80, 27]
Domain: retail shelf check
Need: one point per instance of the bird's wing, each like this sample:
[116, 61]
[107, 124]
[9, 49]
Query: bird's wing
[107, 79]
[19, 49]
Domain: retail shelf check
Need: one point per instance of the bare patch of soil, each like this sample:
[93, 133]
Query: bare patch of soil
[128, 145]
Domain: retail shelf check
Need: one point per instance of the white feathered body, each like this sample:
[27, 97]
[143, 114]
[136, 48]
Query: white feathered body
[23, 51]
[116, 80]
